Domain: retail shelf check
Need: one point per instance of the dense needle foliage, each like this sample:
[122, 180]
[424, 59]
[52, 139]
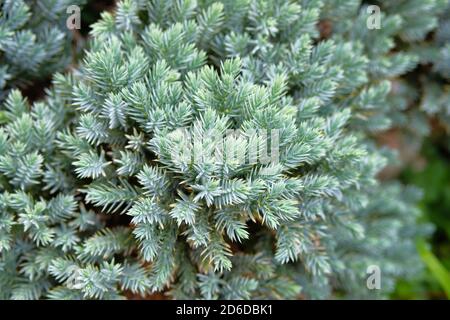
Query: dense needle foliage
[212, 149]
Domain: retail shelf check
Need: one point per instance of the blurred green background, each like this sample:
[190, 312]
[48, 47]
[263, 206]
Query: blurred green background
[433, 177]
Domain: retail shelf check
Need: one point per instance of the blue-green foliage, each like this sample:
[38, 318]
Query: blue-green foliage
[34, 40]
[99, 199]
